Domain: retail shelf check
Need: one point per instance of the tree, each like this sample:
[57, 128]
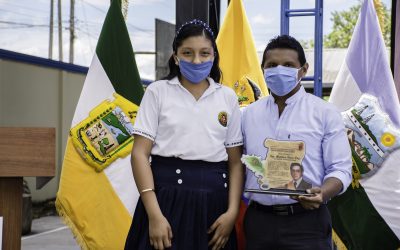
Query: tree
[345, 21]
[384, 20]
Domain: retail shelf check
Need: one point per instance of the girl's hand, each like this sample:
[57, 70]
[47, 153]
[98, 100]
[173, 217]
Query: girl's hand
[222, 229]
[160, 233]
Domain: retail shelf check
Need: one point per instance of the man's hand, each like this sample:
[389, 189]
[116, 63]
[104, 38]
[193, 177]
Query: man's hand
[329, 189]
[311, 202]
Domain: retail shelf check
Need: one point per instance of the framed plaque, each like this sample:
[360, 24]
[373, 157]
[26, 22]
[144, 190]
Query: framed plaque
[282, 171]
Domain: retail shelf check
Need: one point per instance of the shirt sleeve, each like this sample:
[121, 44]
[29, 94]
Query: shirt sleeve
[234, 134]
[146, 122]
[336, 150]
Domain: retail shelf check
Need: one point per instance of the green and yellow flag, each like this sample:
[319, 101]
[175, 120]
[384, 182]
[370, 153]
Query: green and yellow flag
[97, 193]
[239, 63]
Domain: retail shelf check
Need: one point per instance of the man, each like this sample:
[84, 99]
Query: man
[298, 183]
[290, 114]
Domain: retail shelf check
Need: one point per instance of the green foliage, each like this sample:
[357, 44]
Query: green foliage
[345, 21]
[343, 27]
[387, 24]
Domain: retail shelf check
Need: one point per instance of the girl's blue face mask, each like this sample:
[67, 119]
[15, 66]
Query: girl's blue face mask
[194, 72]
[281, 80]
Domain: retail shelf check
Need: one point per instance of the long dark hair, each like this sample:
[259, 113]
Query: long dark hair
[190, 29]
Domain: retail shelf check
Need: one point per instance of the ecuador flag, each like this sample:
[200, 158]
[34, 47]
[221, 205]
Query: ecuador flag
[241, 69]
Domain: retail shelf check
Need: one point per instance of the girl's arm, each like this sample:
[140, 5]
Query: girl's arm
[160, 232]
[236, 173]
[223, 226]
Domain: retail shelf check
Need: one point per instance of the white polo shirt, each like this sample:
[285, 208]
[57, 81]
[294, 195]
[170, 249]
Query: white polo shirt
[182, 127]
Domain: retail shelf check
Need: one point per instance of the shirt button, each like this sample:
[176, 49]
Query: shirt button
[178, 171]
[180, 181]
[225, 185]
[224, 175]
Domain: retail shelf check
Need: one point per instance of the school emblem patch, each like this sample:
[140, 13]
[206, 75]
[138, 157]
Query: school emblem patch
[106, 134]
[223, 118]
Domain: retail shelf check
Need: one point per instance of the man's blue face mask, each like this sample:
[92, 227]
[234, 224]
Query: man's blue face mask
[281, 80]
[194, 72]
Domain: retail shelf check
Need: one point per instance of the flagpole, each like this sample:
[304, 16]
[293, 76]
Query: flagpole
[51, 30]
[71, 31]
[60, 49]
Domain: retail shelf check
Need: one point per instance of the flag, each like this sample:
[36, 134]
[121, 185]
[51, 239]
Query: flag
[97, 193]
[239, 63]
[366, 216]
[241, 71]
[396, 43]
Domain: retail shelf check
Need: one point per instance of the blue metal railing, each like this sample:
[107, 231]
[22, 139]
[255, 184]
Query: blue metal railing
[317, 12]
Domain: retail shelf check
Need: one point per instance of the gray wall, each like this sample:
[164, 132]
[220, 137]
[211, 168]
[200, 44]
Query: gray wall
[37, 96]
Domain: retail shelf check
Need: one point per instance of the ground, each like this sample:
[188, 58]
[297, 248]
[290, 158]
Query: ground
[49, 233]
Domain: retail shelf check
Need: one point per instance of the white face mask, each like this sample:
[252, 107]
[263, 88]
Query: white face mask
[281, 80]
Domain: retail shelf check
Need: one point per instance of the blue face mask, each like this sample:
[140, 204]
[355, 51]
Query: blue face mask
[193, 72]
[281, 80]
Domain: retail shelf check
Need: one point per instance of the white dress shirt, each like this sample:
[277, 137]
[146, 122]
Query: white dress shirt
[305, 118]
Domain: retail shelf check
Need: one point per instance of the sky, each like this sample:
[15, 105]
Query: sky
[24, 25]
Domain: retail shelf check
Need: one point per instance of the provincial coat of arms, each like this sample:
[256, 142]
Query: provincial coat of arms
[106, 134]
[371, 134]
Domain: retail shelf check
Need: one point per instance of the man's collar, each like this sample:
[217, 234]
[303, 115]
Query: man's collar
[299, 94]
[296, 96]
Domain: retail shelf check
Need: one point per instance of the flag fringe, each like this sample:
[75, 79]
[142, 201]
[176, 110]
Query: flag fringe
[338, 242]
[64, 216]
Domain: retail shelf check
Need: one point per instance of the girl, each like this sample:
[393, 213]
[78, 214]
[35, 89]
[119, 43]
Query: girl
[189, 126]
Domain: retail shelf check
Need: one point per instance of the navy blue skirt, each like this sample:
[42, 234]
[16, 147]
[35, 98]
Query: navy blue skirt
[191, 195]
